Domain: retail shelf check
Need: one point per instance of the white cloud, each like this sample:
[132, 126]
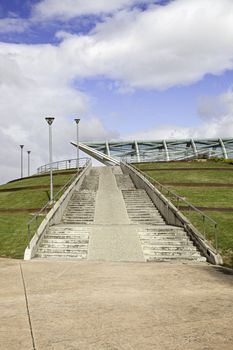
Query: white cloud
[67, 9]
[33, 86]
[217, 121]
[218, 127]
[12, 24]
[155, 49]
[159, 48]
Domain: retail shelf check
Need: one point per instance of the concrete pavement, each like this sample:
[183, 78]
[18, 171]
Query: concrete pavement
[89, 305]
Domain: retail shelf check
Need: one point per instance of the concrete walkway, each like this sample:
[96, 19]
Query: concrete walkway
[112, 237]
[48, 305]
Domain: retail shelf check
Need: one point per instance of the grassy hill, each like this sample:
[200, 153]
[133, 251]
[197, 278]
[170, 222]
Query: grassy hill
[19, 200]
[205, 184]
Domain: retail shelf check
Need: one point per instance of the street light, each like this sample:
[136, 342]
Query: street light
[28, 162]
[77, 120]
[50, 120]
[21, 146]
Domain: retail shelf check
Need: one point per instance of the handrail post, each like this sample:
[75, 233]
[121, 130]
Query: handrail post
[28, 236]
[178, 203]
[216, 236]
[204, 232]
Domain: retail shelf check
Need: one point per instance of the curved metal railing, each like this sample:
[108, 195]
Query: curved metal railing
[63, 165]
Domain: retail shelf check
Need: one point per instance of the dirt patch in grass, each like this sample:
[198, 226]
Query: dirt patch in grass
[183, 207]
[200, 184]
[188, 169]
[20, 210]
[14, 189]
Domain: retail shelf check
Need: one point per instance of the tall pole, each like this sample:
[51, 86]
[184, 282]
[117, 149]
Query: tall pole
[21, 146]
[29, 162]
[77, 120]
[50, 121]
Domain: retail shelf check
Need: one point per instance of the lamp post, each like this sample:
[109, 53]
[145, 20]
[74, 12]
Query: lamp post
[50, 120]
[77, 120]
[28, 162]
[21, 146]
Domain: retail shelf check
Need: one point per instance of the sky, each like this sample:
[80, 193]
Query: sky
[129, 69]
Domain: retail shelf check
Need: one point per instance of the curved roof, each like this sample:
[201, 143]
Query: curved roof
[162, 150]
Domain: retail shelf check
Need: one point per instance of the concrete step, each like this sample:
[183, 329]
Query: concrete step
[90, 182]
[81, 207]
[63, 243]
[140, 208]
[167, 243]
[63, 250]
[165, 249]
[163, 235]
[66, 242]
[124, 182]
[176, 241]
[57, 256]
[162, 258]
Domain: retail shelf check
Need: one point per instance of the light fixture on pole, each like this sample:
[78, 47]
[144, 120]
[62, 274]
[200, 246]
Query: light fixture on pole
[50, 120]
[21, 146]
[28, 162]
[77, 120]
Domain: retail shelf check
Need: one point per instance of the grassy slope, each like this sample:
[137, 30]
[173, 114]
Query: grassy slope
[202, 196]
[13, 227]
[194, 176]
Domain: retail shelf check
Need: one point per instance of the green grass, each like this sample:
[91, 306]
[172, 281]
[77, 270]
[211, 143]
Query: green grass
[202, 196]
[206, 196]
[224, 232]
[188, 164]
[13, 226]
[37, 181]
[194, 176]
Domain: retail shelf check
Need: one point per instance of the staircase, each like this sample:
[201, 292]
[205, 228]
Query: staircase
[70, 239]
[109, 219]
[160, 242]
[140, 208]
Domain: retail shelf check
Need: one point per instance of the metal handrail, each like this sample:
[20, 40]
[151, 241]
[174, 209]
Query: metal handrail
[62, 165]
[49, 205]
[189, 205]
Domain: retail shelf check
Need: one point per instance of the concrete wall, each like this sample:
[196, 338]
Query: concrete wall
[55, 215]
[171, 214]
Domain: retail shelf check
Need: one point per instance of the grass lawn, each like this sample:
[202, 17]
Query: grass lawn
[202, 196]
[13, 227]
[206, 196]
[194, 176]
[13, 234]
[188, 164]
[225, 232]
[40, 180]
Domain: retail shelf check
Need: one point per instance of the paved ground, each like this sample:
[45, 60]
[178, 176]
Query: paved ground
[115, 306]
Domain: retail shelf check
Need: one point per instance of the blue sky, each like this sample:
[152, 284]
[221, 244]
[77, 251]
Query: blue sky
[128, 68]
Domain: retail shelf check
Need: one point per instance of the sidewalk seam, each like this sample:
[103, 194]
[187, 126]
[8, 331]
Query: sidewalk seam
[27, 306]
